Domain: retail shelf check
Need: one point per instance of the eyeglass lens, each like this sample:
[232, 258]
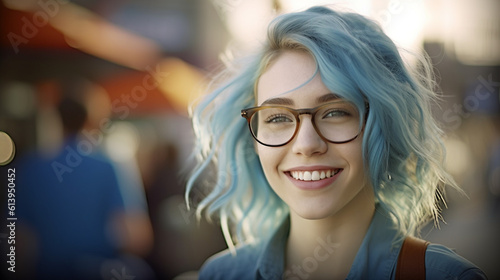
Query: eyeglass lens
[337, 122]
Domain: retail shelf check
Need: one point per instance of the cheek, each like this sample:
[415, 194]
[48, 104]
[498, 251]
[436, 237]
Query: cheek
[264, 157]
[357, 156]
[354, 155]
[269, 159]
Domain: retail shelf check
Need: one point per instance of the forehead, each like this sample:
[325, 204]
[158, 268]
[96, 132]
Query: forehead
[288, 73]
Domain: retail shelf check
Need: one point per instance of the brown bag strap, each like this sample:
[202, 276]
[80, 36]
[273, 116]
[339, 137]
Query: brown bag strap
[411, 260]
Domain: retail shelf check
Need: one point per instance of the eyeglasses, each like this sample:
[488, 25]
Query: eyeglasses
[274, 126]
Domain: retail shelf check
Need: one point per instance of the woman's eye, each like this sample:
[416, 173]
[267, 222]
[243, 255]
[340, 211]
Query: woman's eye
[336, 114]
[278, 119]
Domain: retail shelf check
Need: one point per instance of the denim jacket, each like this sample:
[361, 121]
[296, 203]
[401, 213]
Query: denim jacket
[376, 258]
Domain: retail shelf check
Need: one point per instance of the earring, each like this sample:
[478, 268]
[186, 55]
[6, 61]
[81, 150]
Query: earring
[389, 176]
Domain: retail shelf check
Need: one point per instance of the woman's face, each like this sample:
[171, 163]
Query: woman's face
[308, 155]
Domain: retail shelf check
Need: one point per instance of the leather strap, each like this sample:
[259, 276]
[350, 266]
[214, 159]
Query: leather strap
[411, 260]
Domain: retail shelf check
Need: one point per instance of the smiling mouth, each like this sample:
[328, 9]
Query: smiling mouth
[315, 175]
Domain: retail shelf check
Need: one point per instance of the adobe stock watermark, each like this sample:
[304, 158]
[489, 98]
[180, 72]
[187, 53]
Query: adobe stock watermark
[454, 116]
[189, 215]
[224, 7]
[121, 276]
[323, 250]
[116, 269]
[197, 194]
[248, 154]
[46, 9]
[121, 107]
[394, 7]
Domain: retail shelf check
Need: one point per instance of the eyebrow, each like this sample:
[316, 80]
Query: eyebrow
[287, 101]
[278, 101]
[327, 98]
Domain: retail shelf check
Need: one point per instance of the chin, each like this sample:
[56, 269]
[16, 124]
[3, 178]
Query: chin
[313, 212]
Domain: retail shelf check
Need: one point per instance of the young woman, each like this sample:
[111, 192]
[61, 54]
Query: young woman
[337, 162]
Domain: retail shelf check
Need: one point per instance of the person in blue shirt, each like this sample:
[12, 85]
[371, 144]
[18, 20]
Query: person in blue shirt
[81, 214]
[337, 158]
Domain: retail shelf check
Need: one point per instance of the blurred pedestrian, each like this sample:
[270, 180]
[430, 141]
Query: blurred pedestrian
[73, 207]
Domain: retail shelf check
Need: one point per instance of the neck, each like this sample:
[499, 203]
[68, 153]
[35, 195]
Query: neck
[326, 248]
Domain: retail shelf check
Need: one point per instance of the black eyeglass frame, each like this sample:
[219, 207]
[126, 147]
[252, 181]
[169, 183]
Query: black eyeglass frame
[249, 112]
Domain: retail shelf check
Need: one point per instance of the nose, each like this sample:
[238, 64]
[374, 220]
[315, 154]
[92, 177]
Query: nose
[307, 142]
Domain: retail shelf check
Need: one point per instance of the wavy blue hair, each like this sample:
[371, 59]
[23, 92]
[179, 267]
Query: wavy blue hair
[402, 147]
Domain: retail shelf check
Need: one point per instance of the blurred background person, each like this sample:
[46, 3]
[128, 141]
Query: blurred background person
[80, 210]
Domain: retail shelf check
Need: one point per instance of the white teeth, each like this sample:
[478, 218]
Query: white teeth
[313, 175]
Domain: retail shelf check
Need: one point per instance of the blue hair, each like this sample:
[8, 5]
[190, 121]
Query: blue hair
[402, 147]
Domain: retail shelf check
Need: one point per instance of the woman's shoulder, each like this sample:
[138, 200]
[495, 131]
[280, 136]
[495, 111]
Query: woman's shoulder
[226, 265]
[443, 263]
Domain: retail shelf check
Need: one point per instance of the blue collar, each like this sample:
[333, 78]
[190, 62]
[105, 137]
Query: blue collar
[272, 262]
[378, 255]
[375, 259]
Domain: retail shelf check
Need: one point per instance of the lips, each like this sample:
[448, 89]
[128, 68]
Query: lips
[313, 175]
